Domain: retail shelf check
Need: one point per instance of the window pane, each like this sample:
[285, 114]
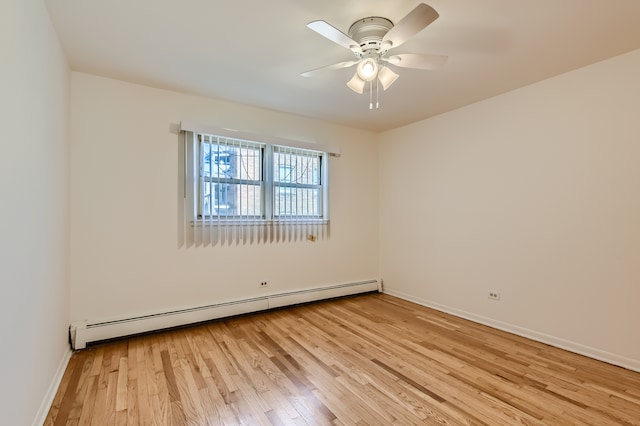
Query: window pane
[232, 199]
[232, 162]
[297, 183]
[300, 202]
[296, 167]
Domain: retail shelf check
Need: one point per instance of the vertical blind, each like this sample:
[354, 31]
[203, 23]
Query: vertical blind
[240, 191]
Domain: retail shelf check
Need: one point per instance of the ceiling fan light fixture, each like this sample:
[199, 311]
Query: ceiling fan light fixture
[387, 77]
[368, 69]
[356, 84]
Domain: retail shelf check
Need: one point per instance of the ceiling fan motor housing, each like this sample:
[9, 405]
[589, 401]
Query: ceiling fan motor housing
[368, 32]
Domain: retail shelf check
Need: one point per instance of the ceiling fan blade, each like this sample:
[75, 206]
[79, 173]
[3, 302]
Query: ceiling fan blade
[337, 66]
[335, 35]
[417, 60]
[410, 25]
[356, 84]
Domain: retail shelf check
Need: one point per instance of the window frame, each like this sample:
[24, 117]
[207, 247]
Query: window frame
[193, 182]
[202, 178]
[278, 184]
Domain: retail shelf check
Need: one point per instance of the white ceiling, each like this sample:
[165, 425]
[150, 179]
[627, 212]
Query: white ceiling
[253, 51]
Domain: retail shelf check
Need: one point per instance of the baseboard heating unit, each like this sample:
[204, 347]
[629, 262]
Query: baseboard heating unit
[83, 332]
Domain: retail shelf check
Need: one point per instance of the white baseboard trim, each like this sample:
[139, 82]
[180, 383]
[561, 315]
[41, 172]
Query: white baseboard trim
[83, 332]
[43, 411]
[598, 354]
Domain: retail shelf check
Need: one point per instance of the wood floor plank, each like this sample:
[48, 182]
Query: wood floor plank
[70, 392]
[88, 403]
[365, 360]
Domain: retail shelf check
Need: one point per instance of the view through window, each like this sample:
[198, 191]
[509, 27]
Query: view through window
[246, 180]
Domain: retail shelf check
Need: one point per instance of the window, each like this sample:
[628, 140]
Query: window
[297, 183]
[255, 190]
[230, 183]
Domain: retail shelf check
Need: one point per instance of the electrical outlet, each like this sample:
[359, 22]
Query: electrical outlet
[494, 295]
[263, 283]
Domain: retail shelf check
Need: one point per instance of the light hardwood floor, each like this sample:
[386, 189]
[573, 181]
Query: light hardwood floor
[372, 359]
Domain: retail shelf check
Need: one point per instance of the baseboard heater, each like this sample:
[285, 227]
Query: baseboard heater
[84, 332]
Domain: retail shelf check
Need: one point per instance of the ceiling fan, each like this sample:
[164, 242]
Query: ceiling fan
[371, 38]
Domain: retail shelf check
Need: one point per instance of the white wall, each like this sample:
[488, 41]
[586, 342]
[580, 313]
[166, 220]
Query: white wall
[125, 251]
[34, 249]
[534, 194]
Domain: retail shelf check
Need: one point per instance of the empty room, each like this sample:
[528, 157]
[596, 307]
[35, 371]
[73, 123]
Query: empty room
[341, 212]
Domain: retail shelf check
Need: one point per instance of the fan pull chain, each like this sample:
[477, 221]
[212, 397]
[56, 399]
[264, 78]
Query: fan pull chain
[371, 94]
